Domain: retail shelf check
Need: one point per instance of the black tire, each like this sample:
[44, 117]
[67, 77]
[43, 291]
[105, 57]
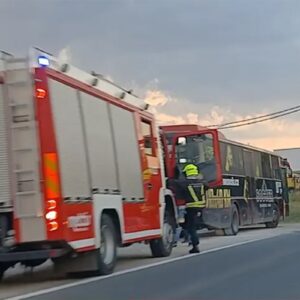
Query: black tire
[235, 222]
[163, 246]
[34, 263]
[2, 270]
[276, 218]
[108, 251]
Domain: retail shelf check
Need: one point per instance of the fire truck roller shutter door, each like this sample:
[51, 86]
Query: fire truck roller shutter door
[128, 156]
[70, 140]
[100, 143]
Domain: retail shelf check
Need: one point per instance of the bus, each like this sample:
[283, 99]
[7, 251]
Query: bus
[252, 189]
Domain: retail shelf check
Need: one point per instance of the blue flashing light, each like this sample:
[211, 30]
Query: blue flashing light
[43, 61]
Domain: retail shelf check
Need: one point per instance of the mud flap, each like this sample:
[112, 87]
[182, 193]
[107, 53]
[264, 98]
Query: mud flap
[77, 263]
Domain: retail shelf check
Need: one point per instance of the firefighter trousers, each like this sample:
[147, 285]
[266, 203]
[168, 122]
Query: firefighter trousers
[191, 224]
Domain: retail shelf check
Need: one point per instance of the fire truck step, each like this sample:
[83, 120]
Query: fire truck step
[18, 171]
[21, 118]
[18, 104]
[18, 126]
[22, 149]
[15, 60]
[26, 193]
[14, 83]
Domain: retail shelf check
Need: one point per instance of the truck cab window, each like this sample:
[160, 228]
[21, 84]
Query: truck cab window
[148, 138]
[197, 150]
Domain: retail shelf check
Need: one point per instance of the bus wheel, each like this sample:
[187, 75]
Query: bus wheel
[276, 217]
[162, 247]
[234, 226]
[108, 250]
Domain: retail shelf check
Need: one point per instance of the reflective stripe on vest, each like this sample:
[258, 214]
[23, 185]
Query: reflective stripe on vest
[197, 203]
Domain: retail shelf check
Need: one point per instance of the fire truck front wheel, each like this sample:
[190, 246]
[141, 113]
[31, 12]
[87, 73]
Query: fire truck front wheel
[162, 247]
[2, 270]
[108, 251]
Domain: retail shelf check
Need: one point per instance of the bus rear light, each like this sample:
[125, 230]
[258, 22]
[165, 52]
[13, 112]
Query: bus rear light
[52, 226]
[51, 204]
[51, 215]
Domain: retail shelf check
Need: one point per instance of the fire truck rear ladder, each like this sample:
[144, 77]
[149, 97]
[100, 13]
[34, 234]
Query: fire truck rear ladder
[23, 143]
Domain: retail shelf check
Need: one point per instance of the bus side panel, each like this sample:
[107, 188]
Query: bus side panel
[268, 194]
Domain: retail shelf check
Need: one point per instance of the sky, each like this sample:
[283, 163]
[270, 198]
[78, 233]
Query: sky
[195, 61]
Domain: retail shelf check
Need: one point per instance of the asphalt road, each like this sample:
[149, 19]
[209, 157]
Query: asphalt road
[264, 269]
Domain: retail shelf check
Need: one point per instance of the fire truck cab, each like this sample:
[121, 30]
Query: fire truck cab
[80, 169]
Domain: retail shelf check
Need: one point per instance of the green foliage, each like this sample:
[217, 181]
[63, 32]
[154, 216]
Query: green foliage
[294, 216]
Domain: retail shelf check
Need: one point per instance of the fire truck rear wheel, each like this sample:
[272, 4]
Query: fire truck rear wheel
[162, 247]
[276, 218]
[234, 226]
[2, 270]
[108, 250]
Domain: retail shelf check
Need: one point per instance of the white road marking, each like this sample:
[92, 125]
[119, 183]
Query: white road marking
[89, 280]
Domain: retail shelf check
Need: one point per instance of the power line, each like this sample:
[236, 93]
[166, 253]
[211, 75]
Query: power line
[256, 118]
[261, 120]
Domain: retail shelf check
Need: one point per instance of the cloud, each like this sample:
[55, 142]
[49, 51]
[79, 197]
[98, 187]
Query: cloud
[213, 61]
[167, 119]
[272, 134]
[156, 98]
[64, 55]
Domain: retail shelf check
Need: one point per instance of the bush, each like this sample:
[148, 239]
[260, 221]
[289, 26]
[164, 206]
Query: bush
[294, 216]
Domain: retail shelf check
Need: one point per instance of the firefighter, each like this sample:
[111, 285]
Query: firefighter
[194, 192]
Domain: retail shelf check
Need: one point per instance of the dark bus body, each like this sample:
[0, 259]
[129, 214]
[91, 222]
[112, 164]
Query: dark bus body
[253, 184]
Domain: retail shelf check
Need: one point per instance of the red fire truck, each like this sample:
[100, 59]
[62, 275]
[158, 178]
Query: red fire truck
[80, 169]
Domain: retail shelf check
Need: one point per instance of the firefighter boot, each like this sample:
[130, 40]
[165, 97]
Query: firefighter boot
[195, 249]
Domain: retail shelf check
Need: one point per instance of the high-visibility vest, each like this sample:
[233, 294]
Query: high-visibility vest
[190, 190]
[196, 196]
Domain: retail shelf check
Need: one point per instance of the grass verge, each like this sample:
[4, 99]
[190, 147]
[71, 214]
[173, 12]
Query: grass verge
[294, 216]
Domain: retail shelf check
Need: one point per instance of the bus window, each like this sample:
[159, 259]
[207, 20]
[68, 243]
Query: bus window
[266, 166]
[257, 164]
[275, 167]
[248, 163]
[232, 159]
